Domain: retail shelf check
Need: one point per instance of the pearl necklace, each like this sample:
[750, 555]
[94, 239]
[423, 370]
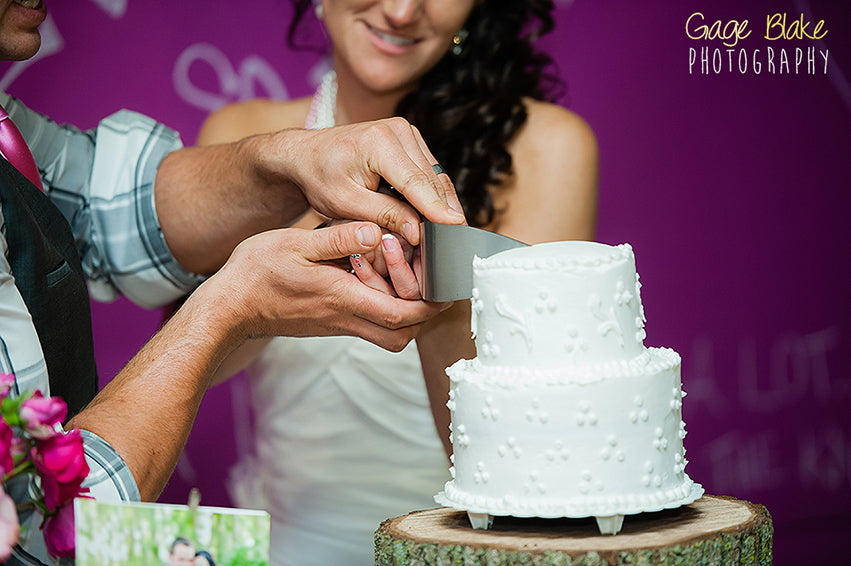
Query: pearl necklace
[324, 104]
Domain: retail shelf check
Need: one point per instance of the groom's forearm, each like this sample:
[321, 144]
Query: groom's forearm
[208, 199]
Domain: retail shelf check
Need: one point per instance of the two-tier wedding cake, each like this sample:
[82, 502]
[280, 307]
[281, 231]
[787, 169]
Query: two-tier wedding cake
[564, 412]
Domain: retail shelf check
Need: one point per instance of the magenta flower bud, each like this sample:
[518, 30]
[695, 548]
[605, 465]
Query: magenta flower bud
[41, 414]
[59, 532]
[61, 463]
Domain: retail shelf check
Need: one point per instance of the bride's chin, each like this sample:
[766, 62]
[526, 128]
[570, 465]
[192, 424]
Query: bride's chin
[388, 82]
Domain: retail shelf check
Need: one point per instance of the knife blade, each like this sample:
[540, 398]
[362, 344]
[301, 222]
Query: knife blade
[447, 252]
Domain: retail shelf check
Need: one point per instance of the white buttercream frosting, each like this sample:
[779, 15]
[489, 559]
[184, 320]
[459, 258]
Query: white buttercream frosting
[523, 315]
[564, 412]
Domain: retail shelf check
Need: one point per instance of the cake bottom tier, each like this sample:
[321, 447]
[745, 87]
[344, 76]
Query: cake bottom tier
[557, 448]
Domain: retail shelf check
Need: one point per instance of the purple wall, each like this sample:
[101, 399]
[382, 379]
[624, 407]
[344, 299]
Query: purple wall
[733, 188]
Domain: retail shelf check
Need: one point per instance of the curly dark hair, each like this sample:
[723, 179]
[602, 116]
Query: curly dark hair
[470, 105]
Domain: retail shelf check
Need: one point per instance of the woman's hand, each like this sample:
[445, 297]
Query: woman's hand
[394, 270]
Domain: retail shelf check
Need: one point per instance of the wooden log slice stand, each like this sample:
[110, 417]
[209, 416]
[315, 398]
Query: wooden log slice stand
[712, 530]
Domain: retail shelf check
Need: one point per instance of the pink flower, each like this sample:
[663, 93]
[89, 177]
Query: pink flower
[31, 435]
[62, 466]
[59, 532]
[7, 438]
[41, 414]
[7, 380]
[10, 530]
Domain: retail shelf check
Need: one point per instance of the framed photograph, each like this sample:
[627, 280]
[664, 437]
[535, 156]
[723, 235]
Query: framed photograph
[131, 534]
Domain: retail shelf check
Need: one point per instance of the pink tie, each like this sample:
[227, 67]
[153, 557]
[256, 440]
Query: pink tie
[15, 150]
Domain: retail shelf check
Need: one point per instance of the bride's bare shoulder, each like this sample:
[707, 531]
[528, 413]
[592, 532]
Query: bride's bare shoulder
[247, 118]
[551, 129]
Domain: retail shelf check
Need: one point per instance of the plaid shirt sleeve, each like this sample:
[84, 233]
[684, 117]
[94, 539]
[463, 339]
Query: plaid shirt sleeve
[103, 182]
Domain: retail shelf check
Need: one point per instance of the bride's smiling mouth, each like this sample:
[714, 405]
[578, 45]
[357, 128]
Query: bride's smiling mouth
[392, 39]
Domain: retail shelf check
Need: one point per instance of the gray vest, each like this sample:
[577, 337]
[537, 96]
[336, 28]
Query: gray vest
[46, 266]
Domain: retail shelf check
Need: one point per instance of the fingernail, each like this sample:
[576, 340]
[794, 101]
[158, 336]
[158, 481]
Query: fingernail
[389, 243]
[356, 261]
[408, 232]
[366, 236]
[453, 211]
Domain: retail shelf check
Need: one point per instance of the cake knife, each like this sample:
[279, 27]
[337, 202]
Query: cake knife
[447, 252]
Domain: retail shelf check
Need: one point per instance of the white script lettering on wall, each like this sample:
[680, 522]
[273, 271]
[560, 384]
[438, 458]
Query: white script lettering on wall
[767, 383]
[233, 83]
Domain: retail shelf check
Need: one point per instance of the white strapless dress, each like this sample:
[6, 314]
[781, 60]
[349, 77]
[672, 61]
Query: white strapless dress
[344, 439]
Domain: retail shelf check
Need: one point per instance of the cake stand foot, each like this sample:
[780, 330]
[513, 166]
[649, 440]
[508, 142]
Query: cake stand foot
[610, 525]
[480, 520]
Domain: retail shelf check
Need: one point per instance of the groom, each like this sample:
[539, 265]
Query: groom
[126, 210]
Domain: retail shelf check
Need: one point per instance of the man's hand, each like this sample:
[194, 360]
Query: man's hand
[279, 282]
[210, 198]
[286, 282]
[339, 170]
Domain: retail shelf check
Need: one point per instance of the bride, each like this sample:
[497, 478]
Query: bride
[347, 434]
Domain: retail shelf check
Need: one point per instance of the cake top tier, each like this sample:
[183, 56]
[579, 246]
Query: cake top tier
[557, 304]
